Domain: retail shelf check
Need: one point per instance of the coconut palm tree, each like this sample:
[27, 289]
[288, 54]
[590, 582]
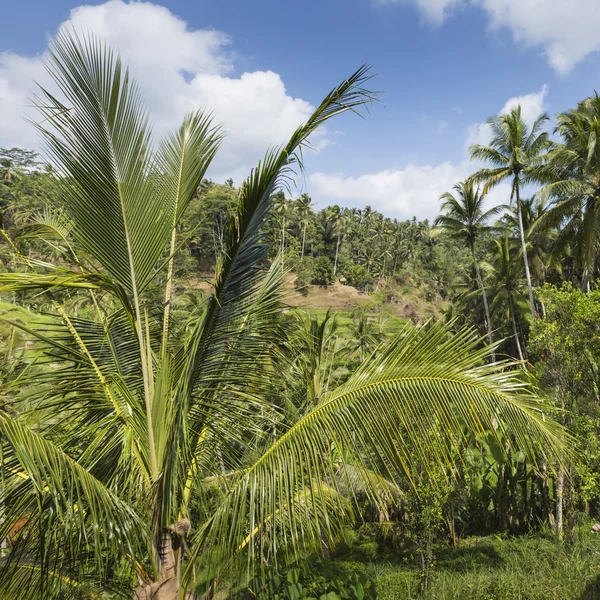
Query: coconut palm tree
[515, 153]
[365, 335]
[135, 458]
[573, 183]
[464, 219]
[505, 287]
[540, 238]
[304, 208]
[281, 208]
[338, 221]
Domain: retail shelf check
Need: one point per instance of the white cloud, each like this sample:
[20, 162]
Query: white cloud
[434, 11]
[411, 191]
[566, 30]
[402, 192]
[177, 69]
[441, 128]
[532, 105]
[414, 190]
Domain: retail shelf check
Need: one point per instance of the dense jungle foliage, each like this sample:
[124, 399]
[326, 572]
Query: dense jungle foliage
[178, 420]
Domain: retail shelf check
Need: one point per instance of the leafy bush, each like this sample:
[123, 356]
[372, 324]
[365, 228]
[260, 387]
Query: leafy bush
[314, 579]
[303, 276]
[358, 277]
[322, 271]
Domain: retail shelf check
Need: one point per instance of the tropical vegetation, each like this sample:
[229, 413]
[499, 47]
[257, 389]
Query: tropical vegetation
[177, 420]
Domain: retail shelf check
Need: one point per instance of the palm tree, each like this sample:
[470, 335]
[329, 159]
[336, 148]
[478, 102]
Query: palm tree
[338, 221]
[125, 433]
[382, 239]
[364, 335]
[516, 152]
[540, 239]
[281, 208]
[304, 208]
[505, 286]
[573, 182]
[465, 219]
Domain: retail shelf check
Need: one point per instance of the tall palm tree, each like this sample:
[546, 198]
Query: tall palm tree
[338, 222]
[465, 219]
[281, 208]
[505, 287]
[515, 153]
[573, 183]
[540, 238]
[132, 457]
[304, 208]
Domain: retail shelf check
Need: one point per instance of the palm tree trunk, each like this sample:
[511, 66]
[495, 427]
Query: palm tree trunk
[516, 334]
[560, 485]
[167, 588]
[303, 239]
[170, 552]
[283, 244]
[485, 302]
[337, 250]
[524, 249]
[585, 280]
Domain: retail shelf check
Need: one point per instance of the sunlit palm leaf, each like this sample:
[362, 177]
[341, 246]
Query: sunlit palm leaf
[389, 408]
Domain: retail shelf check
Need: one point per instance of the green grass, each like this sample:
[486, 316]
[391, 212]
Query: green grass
[531, 567]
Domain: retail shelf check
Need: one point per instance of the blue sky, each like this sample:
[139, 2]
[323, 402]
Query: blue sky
[444, 67]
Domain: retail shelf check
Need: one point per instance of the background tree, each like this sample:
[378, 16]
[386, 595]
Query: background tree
[516, 152]
[465, 219]
[574, 186]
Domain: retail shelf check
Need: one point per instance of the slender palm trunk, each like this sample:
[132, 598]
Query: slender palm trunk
[560, 486]
[303, 239]
[585, 280]
[486, 308]
[524, 249]
[337, 251]
[516, 333]
[560, 480]
[283, 244]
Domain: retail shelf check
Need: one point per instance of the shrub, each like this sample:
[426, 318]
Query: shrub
[359, 277]
[322, 271]
[315, 579]
[303, 276]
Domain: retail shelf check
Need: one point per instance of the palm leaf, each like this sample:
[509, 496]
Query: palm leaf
[389, 408]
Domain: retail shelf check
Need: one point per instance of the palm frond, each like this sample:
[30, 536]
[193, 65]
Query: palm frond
[389, 408]
[47, 490]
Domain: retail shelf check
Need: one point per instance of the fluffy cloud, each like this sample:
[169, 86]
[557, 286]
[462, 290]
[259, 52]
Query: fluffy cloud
[532, 105]
[402, 192]
[566, 30]
[178, 69]
[411, 191]
[414, 190]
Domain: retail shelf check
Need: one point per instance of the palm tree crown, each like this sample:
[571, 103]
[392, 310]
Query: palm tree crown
[515, 152]
[572, 178]
[464, 218]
